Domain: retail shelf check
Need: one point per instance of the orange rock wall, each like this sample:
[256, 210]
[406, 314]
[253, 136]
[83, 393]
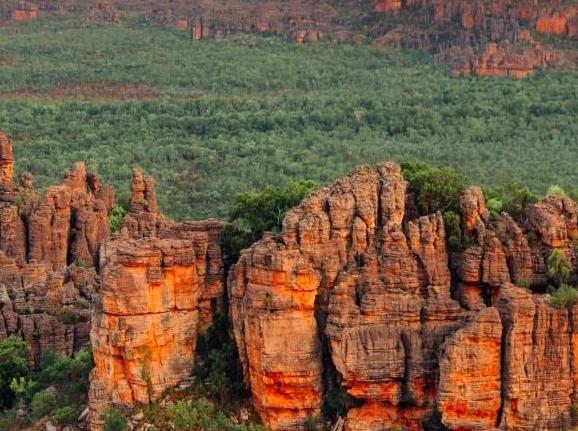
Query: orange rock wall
[356, 294]
[160, 285]
[48, 248]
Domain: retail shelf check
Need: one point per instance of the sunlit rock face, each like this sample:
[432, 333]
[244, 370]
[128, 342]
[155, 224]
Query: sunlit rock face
[357, 294]
[49, 247]
[161, 283]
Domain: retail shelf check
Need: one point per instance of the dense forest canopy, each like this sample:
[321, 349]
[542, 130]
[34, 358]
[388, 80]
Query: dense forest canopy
[210, 119]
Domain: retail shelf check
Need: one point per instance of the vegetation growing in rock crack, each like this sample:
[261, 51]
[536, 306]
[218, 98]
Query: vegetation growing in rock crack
[563, 295]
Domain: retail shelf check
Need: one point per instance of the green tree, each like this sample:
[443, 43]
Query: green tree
[558, 268]
[563, 297]
[217, 365]
[254, 213]
[435, 189]
[116, 216]
[13, 365]
[114, 420]
[556, 191]
[516, 199]
[42, 403]
[62, 416]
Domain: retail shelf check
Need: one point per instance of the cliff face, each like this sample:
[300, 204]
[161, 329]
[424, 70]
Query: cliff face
[495, 38]
[48, 248]
[161, 283]
[482, 38]
[355, 295]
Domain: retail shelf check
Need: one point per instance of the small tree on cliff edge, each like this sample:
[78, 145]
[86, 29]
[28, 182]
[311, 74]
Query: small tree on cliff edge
[254, 213]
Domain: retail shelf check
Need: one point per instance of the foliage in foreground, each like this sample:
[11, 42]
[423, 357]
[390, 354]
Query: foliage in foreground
[217, 390]
[58, 389]
[563, 295]
[114, 420]
[13, 366]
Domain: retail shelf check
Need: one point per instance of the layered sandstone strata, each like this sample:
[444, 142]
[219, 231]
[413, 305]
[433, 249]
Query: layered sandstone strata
[357, 294]
[347, 274]
[48, 248]
[161, 283]
[506, 252]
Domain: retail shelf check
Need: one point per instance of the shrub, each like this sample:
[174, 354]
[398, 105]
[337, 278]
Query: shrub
[80, 263]
[62, 416]
[24, 388]
[516, 199]
[453, 230]
[43, 403]
[558, 268]
[494, 206]
[556, 191]
[183, 416]
[70, 375]
[334, 403]
[563, 297]
[116, 216]
[217, 367]
[435, 189]
[8, 419]
[311, 423]
[202, 414]
[114, 420]
[13, 364]
[67, 317]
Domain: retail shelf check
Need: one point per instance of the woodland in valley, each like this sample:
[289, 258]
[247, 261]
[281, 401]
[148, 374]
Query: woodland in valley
[211, 119]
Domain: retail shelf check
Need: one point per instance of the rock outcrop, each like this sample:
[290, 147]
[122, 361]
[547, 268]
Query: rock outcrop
[161, 283]
[356, 295]
[48, 251]
[345, 273]
[482, 38]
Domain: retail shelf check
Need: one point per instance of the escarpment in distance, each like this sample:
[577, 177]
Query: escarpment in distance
[483, 38]
[354, 295]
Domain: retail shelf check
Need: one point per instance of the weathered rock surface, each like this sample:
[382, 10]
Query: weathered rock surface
[539, 362]
[48, 247]
[482, 38]
[161, 283]
[470, 380]
[344, 272]
[354, 294]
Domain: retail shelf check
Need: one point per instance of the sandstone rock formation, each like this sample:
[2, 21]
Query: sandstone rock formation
[492, 38]
[25, 11]
[161, 283]
[345, 272]
[48, 249]
[482, 38]
[356, 295]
